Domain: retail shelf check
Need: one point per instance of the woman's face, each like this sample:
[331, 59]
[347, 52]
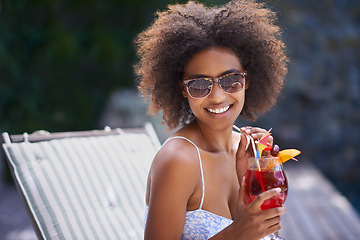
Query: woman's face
[218, 110]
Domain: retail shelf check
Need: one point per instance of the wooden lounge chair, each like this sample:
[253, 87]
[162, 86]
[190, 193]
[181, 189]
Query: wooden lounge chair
[83, 185]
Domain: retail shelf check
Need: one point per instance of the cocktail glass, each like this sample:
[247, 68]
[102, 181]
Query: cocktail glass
[264, 174]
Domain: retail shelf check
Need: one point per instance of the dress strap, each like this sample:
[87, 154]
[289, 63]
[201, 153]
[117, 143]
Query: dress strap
[201, 168]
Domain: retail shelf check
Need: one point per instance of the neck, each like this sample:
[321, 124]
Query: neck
[215, 140]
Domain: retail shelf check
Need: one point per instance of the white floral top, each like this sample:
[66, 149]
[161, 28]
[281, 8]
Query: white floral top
[200, 224]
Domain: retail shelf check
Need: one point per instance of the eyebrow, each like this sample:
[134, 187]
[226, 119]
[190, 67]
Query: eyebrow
[222, 74]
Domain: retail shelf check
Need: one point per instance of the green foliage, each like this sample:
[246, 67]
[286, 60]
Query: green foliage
[60, 60]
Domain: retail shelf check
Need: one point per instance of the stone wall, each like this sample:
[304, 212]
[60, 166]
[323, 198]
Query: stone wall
[320, 108]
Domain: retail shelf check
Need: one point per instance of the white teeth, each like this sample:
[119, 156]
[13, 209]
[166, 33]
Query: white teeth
[218, 110]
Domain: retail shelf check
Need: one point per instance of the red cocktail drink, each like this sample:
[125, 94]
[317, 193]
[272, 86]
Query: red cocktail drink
[258, 181]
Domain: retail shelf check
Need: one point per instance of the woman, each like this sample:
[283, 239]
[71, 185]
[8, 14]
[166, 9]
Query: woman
[203, 67]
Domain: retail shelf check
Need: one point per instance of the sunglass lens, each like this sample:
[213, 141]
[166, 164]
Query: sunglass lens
[232, 83]
[199, 88]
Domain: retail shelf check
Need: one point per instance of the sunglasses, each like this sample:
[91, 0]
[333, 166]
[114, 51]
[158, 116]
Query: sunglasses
[229, 83]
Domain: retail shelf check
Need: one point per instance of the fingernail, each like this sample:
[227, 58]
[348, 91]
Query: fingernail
[278, 190]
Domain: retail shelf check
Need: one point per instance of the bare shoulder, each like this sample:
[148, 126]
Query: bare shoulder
[174, 172]
[173, 178]
[177, 154]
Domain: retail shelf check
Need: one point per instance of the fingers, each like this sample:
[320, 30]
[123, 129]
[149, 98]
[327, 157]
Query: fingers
[273, 222]
[253, 222]
[254, 131]
[259, 200]
[273, 214]
[257, 133]
[273, 228]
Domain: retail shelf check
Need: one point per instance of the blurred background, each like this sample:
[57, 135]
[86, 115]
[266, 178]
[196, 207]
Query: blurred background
[67, 66]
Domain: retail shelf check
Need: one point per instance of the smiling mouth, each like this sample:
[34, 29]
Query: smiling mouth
[218, 110]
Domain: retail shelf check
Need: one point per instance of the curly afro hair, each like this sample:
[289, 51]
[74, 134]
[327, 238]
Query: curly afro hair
[244, 26]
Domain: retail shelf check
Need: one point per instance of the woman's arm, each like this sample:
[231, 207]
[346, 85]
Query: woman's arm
[250, 221]
[173, 178]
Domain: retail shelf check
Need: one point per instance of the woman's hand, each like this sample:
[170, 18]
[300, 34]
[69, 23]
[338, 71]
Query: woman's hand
[256, 133]
[245, 149]
[251, 222]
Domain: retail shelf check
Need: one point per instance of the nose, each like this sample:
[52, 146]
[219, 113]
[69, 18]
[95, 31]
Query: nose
[217, 93]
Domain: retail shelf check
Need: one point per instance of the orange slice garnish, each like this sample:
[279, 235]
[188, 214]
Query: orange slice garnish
[287, 154]
[284, 156]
